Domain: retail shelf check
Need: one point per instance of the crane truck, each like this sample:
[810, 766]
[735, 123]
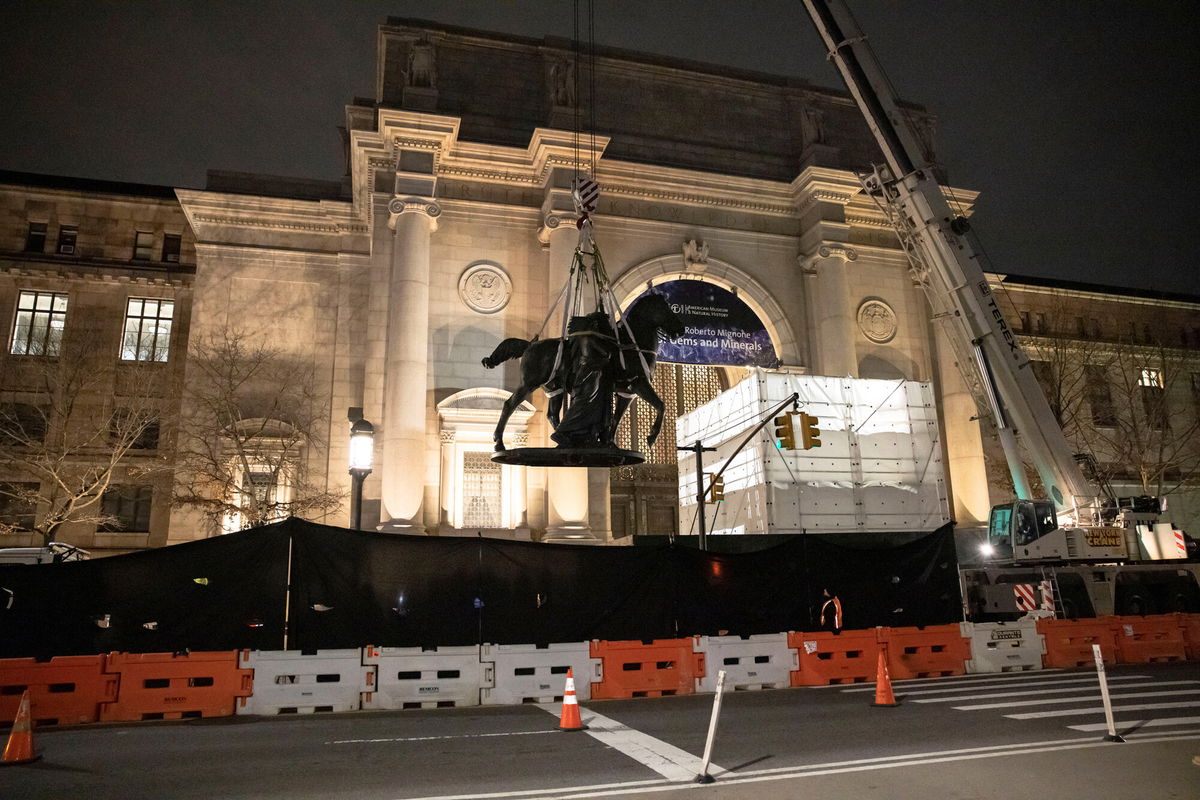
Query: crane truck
[1094, 556]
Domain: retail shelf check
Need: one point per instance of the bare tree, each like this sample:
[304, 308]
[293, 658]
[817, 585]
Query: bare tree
[70, 427]
[251, 418]
[1127, 404]
[1142, 431]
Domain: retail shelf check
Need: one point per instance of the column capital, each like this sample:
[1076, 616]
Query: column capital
[554, 221]
[413, 205]
[808, 261]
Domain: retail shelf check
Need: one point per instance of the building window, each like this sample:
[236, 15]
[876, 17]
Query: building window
[147, 329]
[41, 319]
[133, 428]
[1099, 396]
[171, 245]
[143, 246]
[1080, 327]
[128, 508]
[1154, 402]
[1043, 323]
[35, 240]
[1025, 324]
[18, 505]
[22, 424]
[482, 491]
[66, 239]
[1097, 331]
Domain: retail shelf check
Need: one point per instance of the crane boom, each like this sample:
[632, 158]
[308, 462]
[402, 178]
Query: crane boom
[948, 269]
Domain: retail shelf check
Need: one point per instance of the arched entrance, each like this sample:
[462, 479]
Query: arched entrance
[644, 498]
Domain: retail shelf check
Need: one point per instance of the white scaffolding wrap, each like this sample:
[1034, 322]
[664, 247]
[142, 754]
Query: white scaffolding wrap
[879, 467]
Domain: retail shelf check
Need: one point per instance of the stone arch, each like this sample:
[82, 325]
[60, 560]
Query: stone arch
[633, 281]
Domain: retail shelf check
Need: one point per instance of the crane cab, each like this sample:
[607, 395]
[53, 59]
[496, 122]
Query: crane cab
[1015, 526]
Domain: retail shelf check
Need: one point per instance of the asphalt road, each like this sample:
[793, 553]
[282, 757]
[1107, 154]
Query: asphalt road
[973, 737]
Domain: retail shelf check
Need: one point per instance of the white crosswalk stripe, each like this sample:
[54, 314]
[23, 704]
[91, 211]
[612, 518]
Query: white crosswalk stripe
[1136, 723]
[1090, 680]
[1089, 686]
[1077, 694]
[1060, 700]
[1071, 712]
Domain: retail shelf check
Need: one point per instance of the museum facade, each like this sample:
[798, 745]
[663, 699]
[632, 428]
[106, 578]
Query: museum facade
[453, 230]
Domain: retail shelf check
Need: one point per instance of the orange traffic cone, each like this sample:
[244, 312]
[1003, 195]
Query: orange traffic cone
[19, 749]
[570, 720]
[883, 683]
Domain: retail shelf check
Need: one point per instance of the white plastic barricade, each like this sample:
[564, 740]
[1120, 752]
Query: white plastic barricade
[434, 677]
[1004, 646]
[299, 682]
[753, 662]
[527, 673]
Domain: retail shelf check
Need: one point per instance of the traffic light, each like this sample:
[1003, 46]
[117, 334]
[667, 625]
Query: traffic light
[716, 488]
[810, 434]
[785, 434]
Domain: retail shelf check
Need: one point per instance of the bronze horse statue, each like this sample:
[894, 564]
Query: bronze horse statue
[650, 318]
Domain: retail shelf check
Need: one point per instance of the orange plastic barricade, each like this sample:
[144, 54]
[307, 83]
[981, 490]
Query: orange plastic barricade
[1069, 641]
[848, 657]
[66, 690]
[165, 686]
[655, 668]
[927, 652]
[1141, 640]
[1189, 624]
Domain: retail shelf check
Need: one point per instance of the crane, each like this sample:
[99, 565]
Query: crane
[945, 264]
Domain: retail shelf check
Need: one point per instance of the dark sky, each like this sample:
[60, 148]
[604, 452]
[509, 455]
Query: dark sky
[1076, 119]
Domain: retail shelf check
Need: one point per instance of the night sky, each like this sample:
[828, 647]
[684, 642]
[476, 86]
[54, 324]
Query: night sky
[1075, 119]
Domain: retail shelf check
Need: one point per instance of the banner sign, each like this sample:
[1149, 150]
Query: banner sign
[719, 329]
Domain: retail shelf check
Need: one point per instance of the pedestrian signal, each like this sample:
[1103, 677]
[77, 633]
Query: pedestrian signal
[810, 434]
[785, 434]
[716, 488]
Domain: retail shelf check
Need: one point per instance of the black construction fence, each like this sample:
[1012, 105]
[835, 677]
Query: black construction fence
[352, 588]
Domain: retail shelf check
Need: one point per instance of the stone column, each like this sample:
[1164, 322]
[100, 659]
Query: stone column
[963, 442]
[405, 370]
[832, 311]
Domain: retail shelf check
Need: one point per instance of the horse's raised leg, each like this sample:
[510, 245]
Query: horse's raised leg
[645, 391]
[622, 405]
[554, 405]
[510, 405]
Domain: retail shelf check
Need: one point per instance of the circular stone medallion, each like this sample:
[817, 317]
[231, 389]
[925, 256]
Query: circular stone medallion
[485, 288]
[877, 321]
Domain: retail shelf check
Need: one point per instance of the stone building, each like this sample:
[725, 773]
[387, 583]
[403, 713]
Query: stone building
[454, 229]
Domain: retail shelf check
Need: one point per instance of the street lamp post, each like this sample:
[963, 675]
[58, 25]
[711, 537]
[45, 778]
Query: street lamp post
[362, 452]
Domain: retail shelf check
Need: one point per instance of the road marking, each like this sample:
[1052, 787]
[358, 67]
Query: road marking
[951, 685]
[666, 759]
[1091, 688]
[1090, 679]
[829, 768]
[1126, 725]
[1100, 710]
[1052, 701]
[980, 677]
[437, 738]
[1140, 723]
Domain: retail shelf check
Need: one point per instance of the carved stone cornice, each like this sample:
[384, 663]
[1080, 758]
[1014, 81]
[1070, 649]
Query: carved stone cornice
[413, 205]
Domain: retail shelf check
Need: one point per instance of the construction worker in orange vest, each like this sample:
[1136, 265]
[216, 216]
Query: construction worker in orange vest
[831, 612]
